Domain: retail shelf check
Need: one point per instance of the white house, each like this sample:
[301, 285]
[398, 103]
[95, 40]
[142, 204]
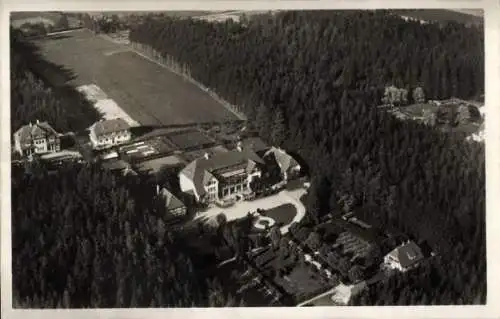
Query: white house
[107, 133]
[36, 138]
[404, 257]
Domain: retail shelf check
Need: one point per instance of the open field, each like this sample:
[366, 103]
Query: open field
[142, 13]
[444, 15]
[226, 15]
[149, 93]
[474, 12]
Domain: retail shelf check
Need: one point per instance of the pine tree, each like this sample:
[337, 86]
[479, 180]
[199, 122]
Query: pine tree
[263, 121]
[278, 133]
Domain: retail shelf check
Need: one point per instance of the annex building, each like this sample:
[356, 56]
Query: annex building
[37, 138]
[404, 257]
[108, 133]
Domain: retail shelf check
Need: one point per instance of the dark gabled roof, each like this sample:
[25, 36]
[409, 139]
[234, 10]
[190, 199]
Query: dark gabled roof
[171, 202]
[109, 126]
[202, 169]
[115, 165]
[29, 132]
[407, 254]
[284, 160]
[254, 143]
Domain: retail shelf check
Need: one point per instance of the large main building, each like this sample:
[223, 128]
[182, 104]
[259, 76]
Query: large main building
[224, 175]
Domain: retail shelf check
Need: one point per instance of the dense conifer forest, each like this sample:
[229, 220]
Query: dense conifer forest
[310, 82]
[81, 239]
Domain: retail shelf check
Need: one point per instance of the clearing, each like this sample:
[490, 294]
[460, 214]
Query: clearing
[148, 92]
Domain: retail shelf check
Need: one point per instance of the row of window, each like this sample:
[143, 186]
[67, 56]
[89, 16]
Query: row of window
[234, 189]
[111, 139]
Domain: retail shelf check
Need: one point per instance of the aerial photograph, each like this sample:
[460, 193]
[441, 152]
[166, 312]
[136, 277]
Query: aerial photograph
[273, 158]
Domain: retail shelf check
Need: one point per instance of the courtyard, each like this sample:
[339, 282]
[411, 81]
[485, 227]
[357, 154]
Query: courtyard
[242, 208]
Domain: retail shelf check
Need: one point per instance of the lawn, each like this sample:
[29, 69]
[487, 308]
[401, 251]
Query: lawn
[283, 214]
[149, 93]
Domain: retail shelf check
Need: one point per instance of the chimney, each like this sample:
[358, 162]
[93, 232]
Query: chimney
[31, 124]
[37, 122]
[206, 156]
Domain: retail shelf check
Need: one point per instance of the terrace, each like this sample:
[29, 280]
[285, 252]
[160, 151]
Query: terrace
[147, 149]
[192, 155]
[190, 140]
[154, 166]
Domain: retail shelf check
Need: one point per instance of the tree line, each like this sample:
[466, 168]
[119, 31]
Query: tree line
[397, 175]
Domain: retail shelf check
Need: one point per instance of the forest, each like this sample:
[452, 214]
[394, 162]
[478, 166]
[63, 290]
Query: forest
[84, 237]
[316, 98]
[323, 94]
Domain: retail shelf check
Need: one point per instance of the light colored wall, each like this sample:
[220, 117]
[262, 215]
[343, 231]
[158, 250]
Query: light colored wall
[109, 139]
[41, 145]
[213, 189]
[178, 211]
[187, 185]
[17, 144]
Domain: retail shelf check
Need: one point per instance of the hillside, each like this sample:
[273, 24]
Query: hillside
[397, 172]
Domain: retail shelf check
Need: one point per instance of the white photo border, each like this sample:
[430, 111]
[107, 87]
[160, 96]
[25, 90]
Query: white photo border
[492, 103]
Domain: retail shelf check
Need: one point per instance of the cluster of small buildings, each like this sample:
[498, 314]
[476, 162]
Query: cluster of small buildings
[346, 244]
[209, 172]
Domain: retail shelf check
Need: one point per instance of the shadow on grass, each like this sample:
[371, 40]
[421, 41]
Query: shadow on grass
[56, 77]
[54, 74]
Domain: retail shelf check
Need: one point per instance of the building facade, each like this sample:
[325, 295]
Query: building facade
[38, 138]
[169, 205]
[404, 257]
[108, 133]
[221, 176]
[289, 167]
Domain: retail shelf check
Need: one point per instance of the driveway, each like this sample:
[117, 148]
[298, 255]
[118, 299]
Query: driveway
[241, 209]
